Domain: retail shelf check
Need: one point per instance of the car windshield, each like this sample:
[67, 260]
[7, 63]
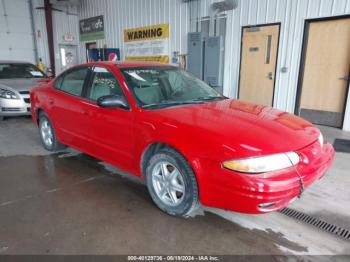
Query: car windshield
[157, 87]
[19, 70]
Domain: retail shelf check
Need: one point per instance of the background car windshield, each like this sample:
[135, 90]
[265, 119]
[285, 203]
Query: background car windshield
[161, 85]
[17, 70]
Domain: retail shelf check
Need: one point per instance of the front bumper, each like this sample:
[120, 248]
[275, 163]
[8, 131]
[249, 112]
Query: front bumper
[15, 107]
[266, 192]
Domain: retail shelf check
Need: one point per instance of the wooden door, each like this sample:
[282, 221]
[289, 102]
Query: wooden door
[326, 72]
[258, 64]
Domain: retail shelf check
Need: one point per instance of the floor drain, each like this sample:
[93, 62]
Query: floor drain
[325, 226]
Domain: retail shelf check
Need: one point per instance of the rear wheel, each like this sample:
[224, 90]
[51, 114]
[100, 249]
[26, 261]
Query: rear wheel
[47, 134]
[172, 183]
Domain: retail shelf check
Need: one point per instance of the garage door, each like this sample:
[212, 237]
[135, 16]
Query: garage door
[16, 35]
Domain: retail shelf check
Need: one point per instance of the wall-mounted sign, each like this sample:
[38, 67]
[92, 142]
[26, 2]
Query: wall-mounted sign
[68, 38]
[92, 28]
[150, 43]
[253, 49]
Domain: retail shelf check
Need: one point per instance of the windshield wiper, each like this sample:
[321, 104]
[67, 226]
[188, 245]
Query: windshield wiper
[171, 103]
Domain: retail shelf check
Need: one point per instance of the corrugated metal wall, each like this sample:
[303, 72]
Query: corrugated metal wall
[40, 32]
[291, 14]
[124, 14]
[65, 21]
[182, 17]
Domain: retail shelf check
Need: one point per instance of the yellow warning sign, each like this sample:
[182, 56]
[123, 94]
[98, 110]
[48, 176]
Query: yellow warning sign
[152, 32]
[161, 58]
[149, 43]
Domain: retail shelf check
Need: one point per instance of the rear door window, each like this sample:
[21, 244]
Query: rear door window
[73, 81]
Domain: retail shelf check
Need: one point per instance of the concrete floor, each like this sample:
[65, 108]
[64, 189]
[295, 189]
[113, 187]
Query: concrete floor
[70, 203]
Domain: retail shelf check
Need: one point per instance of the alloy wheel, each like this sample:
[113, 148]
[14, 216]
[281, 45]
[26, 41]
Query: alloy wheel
[46, 133]
[168, 183]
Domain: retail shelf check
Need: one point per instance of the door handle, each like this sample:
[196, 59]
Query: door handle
[51, 101]
[345, 78]
[270, 76]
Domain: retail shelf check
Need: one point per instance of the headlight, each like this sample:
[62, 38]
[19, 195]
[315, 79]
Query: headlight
[263, 164]
[7, 94]
[321, 139]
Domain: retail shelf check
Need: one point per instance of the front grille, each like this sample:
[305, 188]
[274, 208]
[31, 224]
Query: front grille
[27, 100]
[11, 109]
[24, 92]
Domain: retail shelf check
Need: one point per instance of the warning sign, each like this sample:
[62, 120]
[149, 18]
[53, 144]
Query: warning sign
[150, 43]
[147, 33]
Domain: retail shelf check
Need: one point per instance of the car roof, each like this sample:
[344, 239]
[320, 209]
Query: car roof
[130, 64]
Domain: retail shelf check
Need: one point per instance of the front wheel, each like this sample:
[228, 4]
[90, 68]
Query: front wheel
[172, 183]
[47, 134]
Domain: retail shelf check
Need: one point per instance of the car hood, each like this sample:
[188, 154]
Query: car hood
[19, 84]
[234, 126]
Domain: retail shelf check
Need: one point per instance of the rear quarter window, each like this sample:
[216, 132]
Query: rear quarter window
[58, 82]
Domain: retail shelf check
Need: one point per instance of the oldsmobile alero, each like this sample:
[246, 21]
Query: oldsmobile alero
[190, 144]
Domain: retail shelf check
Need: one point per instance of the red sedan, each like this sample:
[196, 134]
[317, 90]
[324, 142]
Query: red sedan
[190, 144]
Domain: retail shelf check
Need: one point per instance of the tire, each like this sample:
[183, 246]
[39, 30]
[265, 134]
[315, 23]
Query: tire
[176, 192]
[47, 134]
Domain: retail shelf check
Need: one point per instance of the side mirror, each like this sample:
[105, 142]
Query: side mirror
[113, 101]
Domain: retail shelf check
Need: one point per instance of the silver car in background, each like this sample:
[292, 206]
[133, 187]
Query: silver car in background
[16, 80]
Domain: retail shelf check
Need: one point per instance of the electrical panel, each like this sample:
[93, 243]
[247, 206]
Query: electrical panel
[195, 57]
[205, 58]
[213, 61]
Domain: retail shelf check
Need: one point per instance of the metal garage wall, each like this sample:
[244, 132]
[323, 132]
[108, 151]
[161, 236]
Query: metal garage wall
[123, 14]
[16, 33]
[40, 32]
[291, 14]
[65, 21]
